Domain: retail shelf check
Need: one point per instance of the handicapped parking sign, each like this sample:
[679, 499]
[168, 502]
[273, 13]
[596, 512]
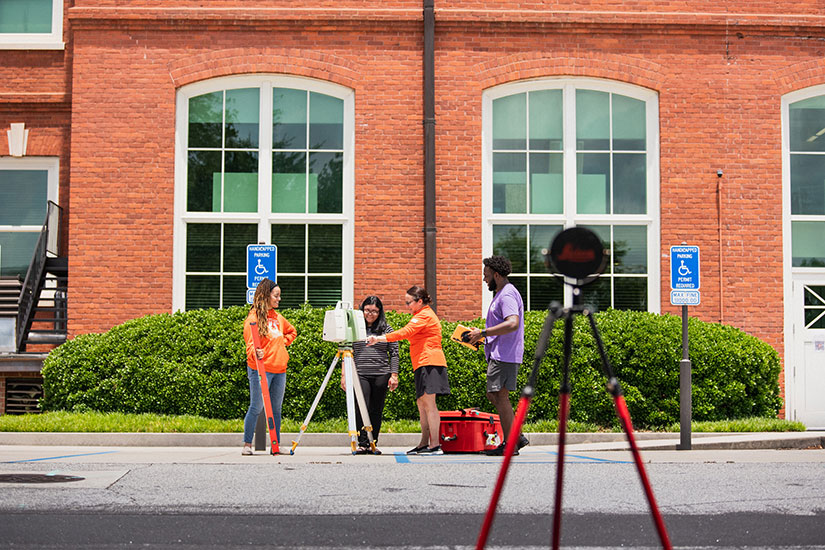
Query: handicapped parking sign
[261, 263]
[684, 267]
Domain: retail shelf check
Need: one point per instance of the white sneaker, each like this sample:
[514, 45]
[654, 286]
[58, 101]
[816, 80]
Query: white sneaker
[247, 450]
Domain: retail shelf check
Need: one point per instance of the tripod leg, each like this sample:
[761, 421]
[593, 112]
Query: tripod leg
[362, 404]
[623, 414]
[349, 377]
[564, 408]
[315, 403]
[521, 414]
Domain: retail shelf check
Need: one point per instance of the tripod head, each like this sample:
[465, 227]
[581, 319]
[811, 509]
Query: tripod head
[578, 254]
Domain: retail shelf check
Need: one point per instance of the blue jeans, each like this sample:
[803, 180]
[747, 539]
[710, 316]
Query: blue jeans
[277, 385]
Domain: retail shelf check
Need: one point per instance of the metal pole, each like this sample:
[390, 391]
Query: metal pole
[685, 397]
[260, 432]
[430, 280]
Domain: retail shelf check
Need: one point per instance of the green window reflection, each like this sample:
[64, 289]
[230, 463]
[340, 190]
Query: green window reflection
[593, 183]
[808, 184]
[808, 244]
[326, 122]
[16, 249]
[326, 182]
[240, 182]
[26, 16]
[511, 241]
[205, 120]
[546, 183]
[289, 179]
[541, 237]
[629, 183]
[509, 182]
[807, 125]
[23, 197]
[629, 124]
[309, 263]
[546, 120]
[242, 118]
[289, 118]
[509, 122]
[592, 120]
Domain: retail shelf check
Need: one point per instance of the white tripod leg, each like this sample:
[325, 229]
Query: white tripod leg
[362, 406]
[351, 382]
[315, 403]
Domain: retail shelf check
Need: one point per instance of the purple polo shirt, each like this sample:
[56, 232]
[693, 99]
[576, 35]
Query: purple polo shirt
[506, 347]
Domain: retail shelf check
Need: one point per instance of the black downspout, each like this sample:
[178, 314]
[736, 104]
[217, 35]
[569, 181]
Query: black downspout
[430, 279]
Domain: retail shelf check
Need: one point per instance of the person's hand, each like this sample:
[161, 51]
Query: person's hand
[372, 340]
[393, 383]
[474, 336]
[343, 383]
[259, 353]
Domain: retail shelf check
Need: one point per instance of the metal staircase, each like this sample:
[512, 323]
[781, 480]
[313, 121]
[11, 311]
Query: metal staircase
[42, 306]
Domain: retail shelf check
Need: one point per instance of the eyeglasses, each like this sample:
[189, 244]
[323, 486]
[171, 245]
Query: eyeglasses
[371, 312]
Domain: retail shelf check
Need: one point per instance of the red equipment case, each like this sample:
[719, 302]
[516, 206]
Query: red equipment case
[469, 431]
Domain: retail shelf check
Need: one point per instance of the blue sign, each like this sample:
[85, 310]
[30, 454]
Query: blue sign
[684, 267]
[685, 297]
[261, 261]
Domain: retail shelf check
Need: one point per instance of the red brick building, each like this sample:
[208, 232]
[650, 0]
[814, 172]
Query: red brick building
[173, 133]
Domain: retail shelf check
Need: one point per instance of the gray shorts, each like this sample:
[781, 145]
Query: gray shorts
[501, 374]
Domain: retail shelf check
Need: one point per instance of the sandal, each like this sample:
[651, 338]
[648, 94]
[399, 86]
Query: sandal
[361, 451]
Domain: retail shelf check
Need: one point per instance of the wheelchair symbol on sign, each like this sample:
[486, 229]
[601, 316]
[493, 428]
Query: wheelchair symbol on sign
[260, 269]
[683, 269]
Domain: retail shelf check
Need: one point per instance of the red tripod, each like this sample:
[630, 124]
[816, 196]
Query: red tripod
[556, 312]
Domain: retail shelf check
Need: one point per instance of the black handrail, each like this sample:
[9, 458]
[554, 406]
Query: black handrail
[47, 243]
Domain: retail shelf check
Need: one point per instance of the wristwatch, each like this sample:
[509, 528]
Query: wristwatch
[484, 333]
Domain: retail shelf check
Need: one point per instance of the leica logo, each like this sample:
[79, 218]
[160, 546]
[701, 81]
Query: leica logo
[577, 255]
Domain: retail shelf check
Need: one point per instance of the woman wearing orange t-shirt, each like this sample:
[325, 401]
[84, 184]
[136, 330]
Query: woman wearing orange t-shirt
[429, 366]
[276, 333]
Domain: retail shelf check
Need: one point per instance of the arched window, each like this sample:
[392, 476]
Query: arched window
[263, 159]
[564, 152]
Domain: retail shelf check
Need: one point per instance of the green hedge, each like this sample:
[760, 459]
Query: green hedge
[193, 363]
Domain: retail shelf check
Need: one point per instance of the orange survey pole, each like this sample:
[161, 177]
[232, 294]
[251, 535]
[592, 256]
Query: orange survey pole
[270, 418]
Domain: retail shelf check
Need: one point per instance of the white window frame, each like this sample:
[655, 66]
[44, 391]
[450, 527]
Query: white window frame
[789, 272]
[263, 218]
[38, 41]
[569, 217]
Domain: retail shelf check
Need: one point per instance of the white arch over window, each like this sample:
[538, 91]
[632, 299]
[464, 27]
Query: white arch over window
[263, 159]
[559, 152]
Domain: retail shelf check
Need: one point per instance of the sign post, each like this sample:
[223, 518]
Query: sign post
[684, 285]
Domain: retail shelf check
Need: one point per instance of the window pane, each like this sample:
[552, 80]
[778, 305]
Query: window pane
[808, 184]
[521, 285]
[815, 318]
[630, 293]
[509, 183]
[592, 120]
[546, 120]
[511, 241]
[807, 125]
[289, 182]
[236, 236]
[510, 122]
[603, 233]
[234, 290]
[326, 122]
[593, 183]
[808, 248]
[16, 250]
[292, 290]
[325, 248]
[629, 124]
[326, 183]
[203, 291]
[205, 119]
[597, 294]
[23, 197]
[242, 116]
[546, 185]
[541, 237]
[203, 193]
[26, 16]
[629, 249]
[290, 240]
[203, 247]
[323, 291]
[289, 118]
[629, 184]
[544, 290]
[241, 182]
[814, 296]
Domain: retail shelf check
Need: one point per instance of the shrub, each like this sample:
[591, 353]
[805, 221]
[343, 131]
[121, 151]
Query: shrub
[193, 363]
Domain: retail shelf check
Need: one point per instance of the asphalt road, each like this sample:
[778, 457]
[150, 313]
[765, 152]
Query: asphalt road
[326, 498]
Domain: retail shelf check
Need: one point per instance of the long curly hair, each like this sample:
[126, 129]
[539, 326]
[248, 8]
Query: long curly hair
[260, 303]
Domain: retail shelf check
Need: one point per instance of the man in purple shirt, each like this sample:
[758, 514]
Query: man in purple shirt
[503, 344]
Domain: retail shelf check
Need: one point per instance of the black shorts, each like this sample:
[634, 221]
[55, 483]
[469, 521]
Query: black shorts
[429, 379]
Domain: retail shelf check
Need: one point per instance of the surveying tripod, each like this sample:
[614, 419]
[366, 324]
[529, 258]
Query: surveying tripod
[354, 393]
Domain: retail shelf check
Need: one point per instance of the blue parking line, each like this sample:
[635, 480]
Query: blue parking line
[56, 457]
[524, 458]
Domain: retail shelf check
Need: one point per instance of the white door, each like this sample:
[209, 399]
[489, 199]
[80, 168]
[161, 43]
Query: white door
[809, 351]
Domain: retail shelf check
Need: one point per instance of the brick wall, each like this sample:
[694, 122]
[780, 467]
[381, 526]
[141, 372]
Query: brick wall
[719, 69]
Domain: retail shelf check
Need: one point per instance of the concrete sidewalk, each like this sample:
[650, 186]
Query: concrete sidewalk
[648, 441]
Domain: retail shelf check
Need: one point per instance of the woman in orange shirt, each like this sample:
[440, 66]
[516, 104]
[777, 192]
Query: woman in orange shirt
[429, 366]
[276, 333]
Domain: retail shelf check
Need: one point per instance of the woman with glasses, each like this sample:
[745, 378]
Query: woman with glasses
[377, 368]
[429, 366]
